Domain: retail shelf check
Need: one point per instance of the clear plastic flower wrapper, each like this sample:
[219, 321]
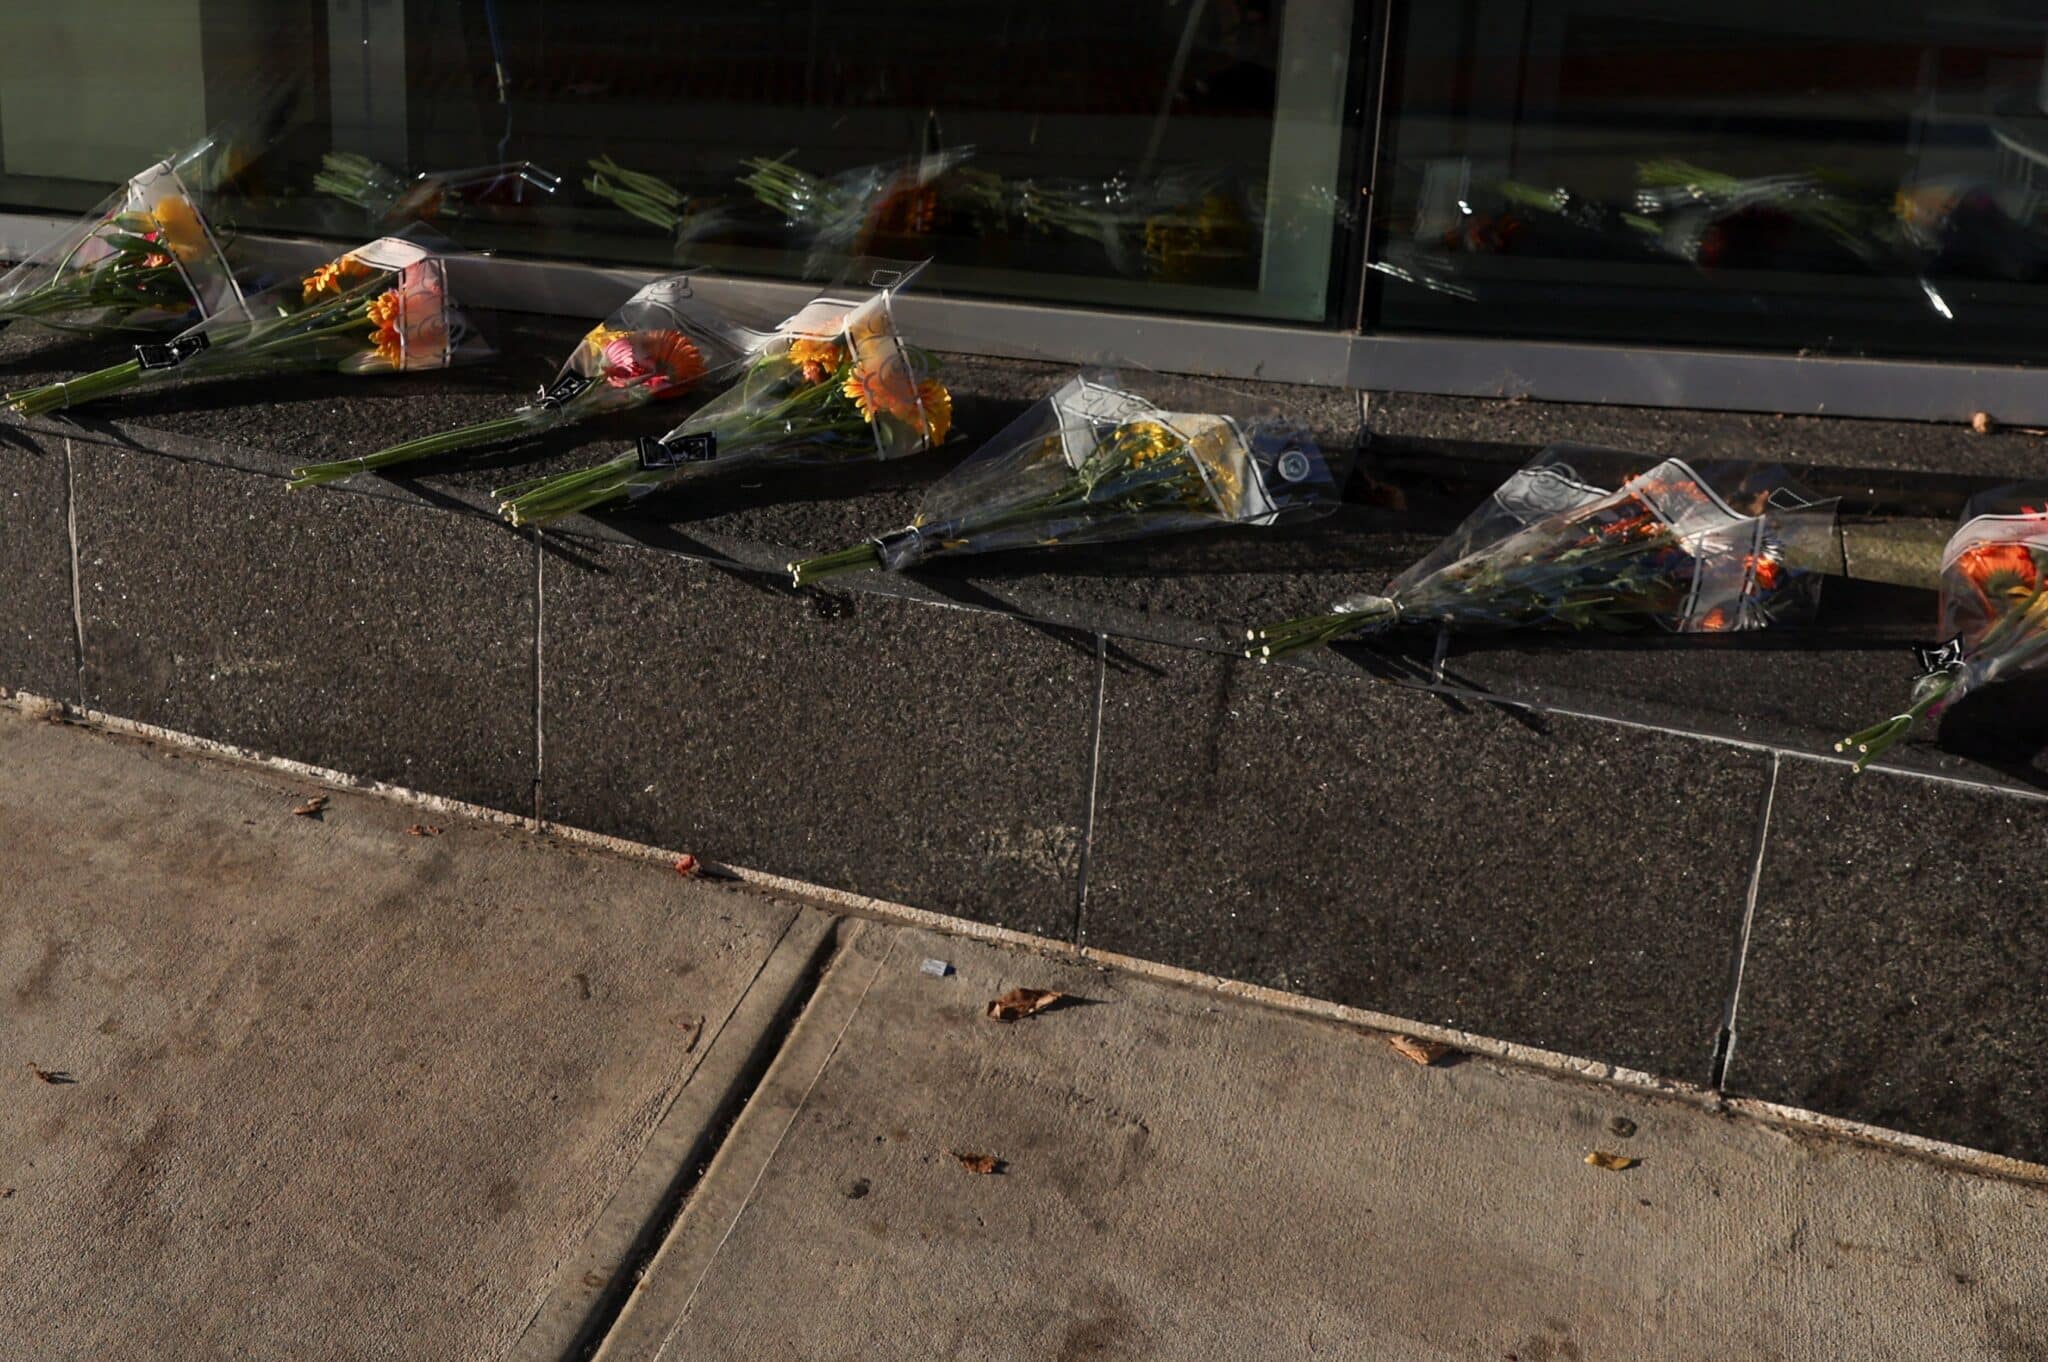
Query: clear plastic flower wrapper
[1994, 612]
[1735, 549]
[392, 200]
[1113, 454]
[835, 383]
[146, 259]
[381, 308]
[661, 343]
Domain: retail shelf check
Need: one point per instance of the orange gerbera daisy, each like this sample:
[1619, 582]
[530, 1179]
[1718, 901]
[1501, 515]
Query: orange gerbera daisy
[819, 359]
[387, 312]
[2001, 570]
[333, 278]
[938, 410]
[886, 389]
[661, 363]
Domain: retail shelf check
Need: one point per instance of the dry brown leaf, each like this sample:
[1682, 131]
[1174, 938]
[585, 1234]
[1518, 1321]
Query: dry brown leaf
[43, 1075]
[981, 1165]
[1613, 1163]
[311, 807]
[1423, 1052]
[1019, 1003]
[423, 830]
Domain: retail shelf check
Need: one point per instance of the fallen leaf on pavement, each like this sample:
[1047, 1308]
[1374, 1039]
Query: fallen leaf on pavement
[1019, 1003]
[1613, 1163]
[1423, 1052]
[423, 830]
[311, 807]
[686, 865]
[43, 1075]
[982, 1165]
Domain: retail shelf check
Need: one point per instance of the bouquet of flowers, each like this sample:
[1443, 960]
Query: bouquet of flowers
[392, 200]
[144, 260]
[660, 344]
[834, 383]
[1994, 610]
[1101, 459]
[1665, 546]
[380, 308]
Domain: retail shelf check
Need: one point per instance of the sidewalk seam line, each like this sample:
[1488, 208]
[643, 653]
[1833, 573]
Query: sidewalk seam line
[1094, 789]
[77, 589]
[1724, 1043]
[540, 560]
[782, 1136]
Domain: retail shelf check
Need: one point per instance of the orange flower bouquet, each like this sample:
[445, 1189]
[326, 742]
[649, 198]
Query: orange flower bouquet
[834, 383]
[144, 260]
[381, 308]
[1665, 547]
[1994, 612]
[661, 343]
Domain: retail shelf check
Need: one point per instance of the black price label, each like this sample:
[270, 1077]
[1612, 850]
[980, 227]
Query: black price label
[1934, 661]
[172, 353]
[676, 450]
[562, 389]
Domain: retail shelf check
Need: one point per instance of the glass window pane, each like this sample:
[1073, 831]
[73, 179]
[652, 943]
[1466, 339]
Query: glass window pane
[1866, 180]
[1180, 155]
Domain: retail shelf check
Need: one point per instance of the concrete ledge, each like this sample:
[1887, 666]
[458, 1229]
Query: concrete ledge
[1549, 841]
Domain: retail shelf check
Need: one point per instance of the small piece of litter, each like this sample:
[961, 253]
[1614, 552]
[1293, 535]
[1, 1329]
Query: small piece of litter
[1019, 1003]
[1622, 1126]
[938, 969]
[686, 865]
[311, 808]
[981, 1165]
[423, 830]
[6, 1192]
[43, 1075]
[1613, 1163]
[1981, 422]
[1424, 1052]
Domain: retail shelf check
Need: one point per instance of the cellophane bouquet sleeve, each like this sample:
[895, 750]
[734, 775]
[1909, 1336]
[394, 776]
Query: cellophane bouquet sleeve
[1667, 547]
[663, 342]
[146, 259]
[384, 307]
[835, 383]
[1110, 455]
[1994, 612]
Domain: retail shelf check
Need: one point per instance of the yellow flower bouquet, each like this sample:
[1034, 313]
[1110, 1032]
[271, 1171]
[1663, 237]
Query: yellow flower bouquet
[1110, 456]
[144, 260]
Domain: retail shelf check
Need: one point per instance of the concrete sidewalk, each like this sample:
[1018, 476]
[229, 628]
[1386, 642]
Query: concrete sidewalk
[382, 1083]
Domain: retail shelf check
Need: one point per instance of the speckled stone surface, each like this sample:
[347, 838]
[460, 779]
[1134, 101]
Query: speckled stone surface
[921, 754]
[349, 631]
[1563, 883]
[1896, 958]
[1951, 451]
[38, 641]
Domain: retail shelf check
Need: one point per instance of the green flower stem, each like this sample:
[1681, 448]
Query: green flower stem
[1315, 631]
[87, 388]
[1874, 741]
[521, 422]
[858, 558]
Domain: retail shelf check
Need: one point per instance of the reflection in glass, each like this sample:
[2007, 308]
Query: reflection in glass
[1866, 182]
[1159, 154]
